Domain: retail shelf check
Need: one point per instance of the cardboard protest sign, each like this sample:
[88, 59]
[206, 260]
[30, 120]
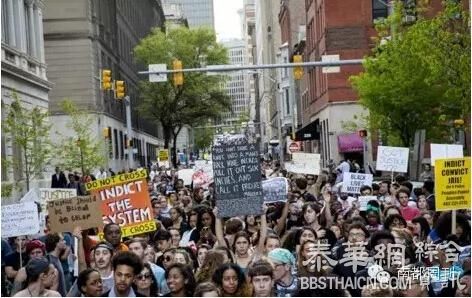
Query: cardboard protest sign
[452, 184]
[275, 189]
[186, 175]
[445, 151]
[304, 163]
[47, 194]
[392, 159]
[352, 182]
[363, 200]
[66, 214]
[237, 176]
[20, 219]
[125, 201]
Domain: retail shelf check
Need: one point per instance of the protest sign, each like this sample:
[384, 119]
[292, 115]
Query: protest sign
[304, 163]
[20, 219]
[206, 166]
[445, 151]
[392, 159]
[47, 194]
[164, 158]
[352, 182]
[30, 196]
[186, 175]
[275, 189]
[237, 176]
[452, 184]
[66, 214]
[125, 201]
[363, 200]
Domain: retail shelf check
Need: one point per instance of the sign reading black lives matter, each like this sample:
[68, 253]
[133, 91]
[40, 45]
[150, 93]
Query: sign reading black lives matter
[237, 176]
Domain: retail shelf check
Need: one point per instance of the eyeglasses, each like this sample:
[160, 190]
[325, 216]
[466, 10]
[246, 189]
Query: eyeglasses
[143, 276]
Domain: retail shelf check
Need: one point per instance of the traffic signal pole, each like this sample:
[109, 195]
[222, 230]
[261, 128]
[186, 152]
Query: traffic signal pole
[129, 131]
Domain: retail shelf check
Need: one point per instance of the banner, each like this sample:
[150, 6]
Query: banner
[66, 214]
[392, 159]
[352, 182]
[445, 151]
[20, 219]
[125, 201]
[304, 163]
[363, 200]
[452, 184]
[186, 175]
[237, 175]
[275, 189]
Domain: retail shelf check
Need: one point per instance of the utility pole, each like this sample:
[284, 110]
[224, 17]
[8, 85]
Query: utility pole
[129, 131]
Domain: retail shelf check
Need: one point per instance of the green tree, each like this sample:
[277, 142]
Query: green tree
[201, 97]
[80, 150]
[29, 132]
[420, 78]
[203, 137]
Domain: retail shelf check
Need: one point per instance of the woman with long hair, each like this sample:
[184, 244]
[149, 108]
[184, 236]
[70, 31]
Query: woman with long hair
[241, 249]
[231, 280]
[213, 260]
[89, 283]
[145, 282]
[420, 229]
[180, 281]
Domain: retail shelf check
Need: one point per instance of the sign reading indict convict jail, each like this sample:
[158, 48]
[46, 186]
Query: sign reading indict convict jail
[452, 183]
[237, 177]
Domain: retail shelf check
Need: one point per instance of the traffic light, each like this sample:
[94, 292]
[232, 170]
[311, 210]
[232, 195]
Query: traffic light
[362, 133]
[119, 89]
[106, 79]
[298, 70]
[107, 132]
[178, 77]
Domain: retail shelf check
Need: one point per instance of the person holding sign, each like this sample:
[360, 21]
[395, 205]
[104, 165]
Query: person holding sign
[17, 259]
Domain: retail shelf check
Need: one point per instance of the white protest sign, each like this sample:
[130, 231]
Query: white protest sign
[30, 196]
[186, 175]
[47, 194]
[304, 163]
[275, 190]
[352, 182]
[445, 151]
[20, 219]
[363, 200]
[392, 159]
[206, 166]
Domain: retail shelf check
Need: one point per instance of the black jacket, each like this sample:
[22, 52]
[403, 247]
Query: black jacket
[58, 183]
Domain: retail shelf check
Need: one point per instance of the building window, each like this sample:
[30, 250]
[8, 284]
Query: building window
[379, 9]
[121, 145]
[5, 25]
[115, 135]
[287, 101]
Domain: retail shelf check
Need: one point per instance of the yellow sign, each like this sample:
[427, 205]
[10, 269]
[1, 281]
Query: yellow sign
[452, 184]
[114, 180]
[163, 155]
[137, 229]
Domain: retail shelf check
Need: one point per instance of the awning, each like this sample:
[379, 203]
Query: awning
[350, 143]
[309, 132]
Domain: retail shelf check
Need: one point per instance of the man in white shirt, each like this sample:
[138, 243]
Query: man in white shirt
[101, 174]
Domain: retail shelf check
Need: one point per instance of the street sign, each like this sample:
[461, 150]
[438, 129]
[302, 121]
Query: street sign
[154, 77]
[330, 69]
[294, 147]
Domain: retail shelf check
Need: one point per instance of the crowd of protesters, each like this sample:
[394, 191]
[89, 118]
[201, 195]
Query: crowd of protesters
[318, 232]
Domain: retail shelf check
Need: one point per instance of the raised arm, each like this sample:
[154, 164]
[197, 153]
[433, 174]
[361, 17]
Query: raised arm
[282, 221]
[263, 230]
[219, 229]
[80, 249]
[327, 208]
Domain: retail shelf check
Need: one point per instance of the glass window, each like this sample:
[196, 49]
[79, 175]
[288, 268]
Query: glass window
[379, 9]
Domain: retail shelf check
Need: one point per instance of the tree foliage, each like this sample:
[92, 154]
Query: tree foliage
[420, 78]
[201, 97]
[81, 150]
[204, 137]
[29, 132]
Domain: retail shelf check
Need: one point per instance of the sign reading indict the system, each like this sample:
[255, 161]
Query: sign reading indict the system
[452, 184]
[66, 214]
[392, 159]
[125, 201]
[237, 176]
[304, 163]
[275, 189]
[352, 182]
[20, 219]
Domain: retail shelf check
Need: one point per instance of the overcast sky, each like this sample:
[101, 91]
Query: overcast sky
[227, 22]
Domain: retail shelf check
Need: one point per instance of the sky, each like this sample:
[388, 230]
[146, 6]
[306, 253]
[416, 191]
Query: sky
[227, 21]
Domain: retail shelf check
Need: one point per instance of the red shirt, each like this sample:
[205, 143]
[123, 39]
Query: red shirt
[409, 213]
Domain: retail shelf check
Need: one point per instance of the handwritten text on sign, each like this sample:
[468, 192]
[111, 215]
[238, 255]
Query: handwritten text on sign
[66, 214]
[392, 159]
[237, 176]
[275, 189]
[125, 201]
[452, 184]
[352, 182]
[20, 219]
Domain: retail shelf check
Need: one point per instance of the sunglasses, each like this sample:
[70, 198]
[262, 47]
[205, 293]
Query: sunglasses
[143, 276]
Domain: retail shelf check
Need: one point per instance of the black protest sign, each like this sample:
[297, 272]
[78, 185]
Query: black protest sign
[275, 189]
[237, 176]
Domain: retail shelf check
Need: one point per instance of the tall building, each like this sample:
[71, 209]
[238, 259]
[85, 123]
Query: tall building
[238, 84]
[23, 67]
[174, 15]
[197, 12]
[81, 39]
